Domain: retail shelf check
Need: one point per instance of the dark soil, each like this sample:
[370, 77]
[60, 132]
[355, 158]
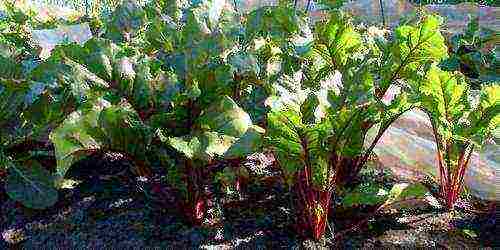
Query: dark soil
[111, 208]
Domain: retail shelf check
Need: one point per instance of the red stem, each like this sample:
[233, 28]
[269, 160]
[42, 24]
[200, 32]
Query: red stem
[459, 178]
[464, 167]
[195, 202]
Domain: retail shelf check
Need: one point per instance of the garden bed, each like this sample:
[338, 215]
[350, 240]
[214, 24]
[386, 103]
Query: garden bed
[114, 213]
[202, 125]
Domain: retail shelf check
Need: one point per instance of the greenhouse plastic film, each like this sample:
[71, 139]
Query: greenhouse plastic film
[409, 150]
[49, 38]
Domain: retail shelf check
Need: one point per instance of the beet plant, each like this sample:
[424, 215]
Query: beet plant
[376, 77]
[35, 97]
[186, 83]
[143, 83]
[222, 62]
[77, 98]
[208, 77]
[26, 180]
[34, 105]
[301, 149]
[340, 89]
[178, 77]
[460, 125]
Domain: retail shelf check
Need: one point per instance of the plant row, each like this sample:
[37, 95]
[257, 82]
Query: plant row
[187, 85]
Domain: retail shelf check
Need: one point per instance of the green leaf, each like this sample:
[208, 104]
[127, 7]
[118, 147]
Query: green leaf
[444, 95]
[254, 103]
[292, 140]
[205, 146]
[13, 97]
[277, 22]
[308, 109]
[10, 69]
[31, 185]
[248, 143]
[337, 38]
[283, 135]
[124, 131]
[490, 96]
[59, 86]
[365, 194]
[403, 191]
[423, 42]
[126, 20]
[65, 73]
[320, 171]
[414, 48]
[99, 127]
[485, 118]
[244, 63]
[225, 130]
[215, 144]
[145, 88]
[225, 117]
[190, 147]
[98, 55]
[284, 128]
[72, 138]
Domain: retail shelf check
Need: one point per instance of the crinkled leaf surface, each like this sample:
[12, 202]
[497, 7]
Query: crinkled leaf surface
[124, 131]
[73, 137]
[61, 86]
[413, 49]
[445, 95]
[205, 146]
[485, 118]
[293, 140]
[225, 117]
[338, 39]
[225, 131]
[276, 22]
[98, 55]
[100, 127]
[247, 144]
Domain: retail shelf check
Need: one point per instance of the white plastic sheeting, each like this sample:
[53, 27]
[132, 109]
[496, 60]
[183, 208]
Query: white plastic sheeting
[409, 150]
[49, 38]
